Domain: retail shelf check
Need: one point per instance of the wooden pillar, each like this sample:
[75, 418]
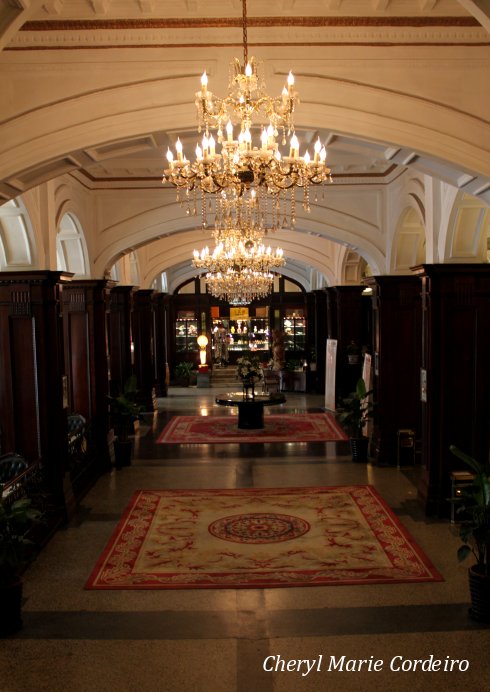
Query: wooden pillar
[32, 385]
[456, 373]
[346, 323]
[120, 361]
[85, 322]
[160, 308]
[397, 345]
[143, 327]
[318, 335]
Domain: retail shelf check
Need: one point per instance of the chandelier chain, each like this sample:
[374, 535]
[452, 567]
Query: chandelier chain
[245, 42]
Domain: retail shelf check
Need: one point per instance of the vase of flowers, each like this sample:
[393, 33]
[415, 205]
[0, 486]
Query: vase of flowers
[249, 372]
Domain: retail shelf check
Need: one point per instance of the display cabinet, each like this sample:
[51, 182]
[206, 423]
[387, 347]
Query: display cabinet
[250, 334]
[294, 328]
[186, 332]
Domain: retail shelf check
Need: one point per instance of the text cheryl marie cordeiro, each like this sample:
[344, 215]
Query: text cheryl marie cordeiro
[332, 664]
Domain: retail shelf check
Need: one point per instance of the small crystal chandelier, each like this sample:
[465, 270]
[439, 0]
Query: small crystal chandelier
[239, 287]
[239, 267]
[240, 166]
[256, 258]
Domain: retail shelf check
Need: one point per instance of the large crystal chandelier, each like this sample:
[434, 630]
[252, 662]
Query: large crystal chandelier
[240, 166]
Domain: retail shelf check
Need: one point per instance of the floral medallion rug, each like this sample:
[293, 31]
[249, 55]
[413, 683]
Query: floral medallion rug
[302, 427]
[257, 538]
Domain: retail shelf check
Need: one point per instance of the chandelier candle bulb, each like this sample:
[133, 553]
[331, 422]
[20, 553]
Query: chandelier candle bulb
[204, 83]
[264, 139]
[317, 148]
[178, 149]
[229, 131]
[293, 152]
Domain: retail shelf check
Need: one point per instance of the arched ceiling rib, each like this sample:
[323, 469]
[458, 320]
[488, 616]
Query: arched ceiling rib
[480, 9]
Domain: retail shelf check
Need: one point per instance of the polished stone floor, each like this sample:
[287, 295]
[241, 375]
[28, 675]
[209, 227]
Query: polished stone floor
[218, 640]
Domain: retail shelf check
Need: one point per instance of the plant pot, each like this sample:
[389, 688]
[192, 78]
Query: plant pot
[359, 449]
[10, 608]
[122, 453]
[480, 593]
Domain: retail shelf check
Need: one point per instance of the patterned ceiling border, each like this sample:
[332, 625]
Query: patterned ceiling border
[308, 44]
[217, 22]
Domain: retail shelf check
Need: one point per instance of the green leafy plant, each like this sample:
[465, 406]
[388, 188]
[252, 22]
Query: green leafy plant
[183, 369]
[356, 409]
[16, 548]
[474, 504]
[125, 410]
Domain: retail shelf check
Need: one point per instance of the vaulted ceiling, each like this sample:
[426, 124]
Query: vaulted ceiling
[114, 83]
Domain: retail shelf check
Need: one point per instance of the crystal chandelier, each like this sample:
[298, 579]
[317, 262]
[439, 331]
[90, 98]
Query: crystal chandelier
[239, 287]
[240, 166]
[239, 267]
[252, 257]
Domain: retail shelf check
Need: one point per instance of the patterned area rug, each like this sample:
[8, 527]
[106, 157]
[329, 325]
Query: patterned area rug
[302, 427]
[259, 537]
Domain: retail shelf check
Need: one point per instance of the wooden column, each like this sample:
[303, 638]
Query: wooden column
[346, 323]
[32, 407]
[85, 312]
[456, 365]
[397, 345]
[160, 307]
[143, 327]
[121, 305]
[318, 336]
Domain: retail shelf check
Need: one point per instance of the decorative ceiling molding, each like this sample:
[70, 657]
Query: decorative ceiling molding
[231, 22]
[480, 9]
[13, 14]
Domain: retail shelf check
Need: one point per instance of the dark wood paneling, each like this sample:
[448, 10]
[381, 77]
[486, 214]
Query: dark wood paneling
[455, 355]
[32, 368]
[142, 327]
[121, 305]
[397, 345]
[346, 322]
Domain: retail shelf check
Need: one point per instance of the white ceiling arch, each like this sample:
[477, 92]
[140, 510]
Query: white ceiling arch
[387, 91]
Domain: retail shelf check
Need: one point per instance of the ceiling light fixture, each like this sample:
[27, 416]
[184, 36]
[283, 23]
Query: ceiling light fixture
[239, 269]
[241, 167]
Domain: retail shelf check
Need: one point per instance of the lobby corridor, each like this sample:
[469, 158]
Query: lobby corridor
[217, 640]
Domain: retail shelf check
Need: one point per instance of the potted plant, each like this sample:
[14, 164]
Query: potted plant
[354, 413]
[16, 551]
[474, 531]
[183, 373]
[249, 371]
[124, 412]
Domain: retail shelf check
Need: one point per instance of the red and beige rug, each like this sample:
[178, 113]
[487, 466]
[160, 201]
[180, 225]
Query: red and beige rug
[302, 427]
[259, 537]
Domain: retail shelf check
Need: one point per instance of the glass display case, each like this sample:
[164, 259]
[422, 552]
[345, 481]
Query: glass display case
[186, 332]
[294, 328]
[242, 335]
[249, 335]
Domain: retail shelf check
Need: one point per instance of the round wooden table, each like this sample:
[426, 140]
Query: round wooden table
[250, 411]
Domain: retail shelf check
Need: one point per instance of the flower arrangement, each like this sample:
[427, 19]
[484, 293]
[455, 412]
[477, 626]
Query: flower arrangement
[249, 368]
